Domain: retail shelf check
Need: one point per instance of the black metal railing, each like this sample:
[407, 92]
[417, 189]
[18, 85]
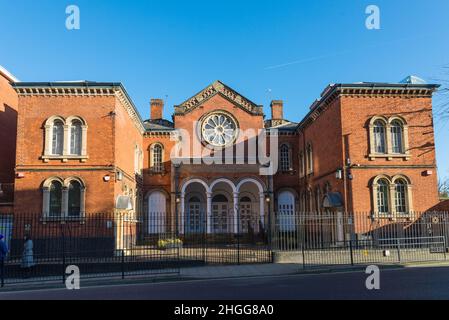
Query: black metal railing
[122, 245]
[317, 239]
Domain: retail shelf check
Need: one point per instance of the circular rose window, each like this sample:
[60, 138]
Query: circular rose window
[219, 130]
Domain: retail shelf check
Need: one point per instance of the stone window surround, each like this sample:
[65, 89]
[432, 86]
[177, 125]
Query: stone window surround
[152, 169]
[389, 155]
[289, 160]
[65, 199]
[392, 215]
[47, 156]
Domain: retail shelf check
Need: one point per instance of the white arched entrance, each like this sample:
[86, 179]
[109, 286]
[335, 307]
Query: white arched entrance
[157, 212]
[286, 211]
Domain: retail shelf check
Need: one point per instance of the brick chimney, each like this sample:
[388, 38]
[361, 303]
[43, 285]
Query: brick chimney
[156, 109]
[277, 110]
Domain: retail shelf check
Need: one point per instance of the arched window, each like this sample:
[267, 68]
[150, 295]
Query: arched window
[302, 165]
[74, 208]
[379, 137]
[57, 138]
[397, 136]
[285, 158]
[63, 198]
[383, 199]
[55, 201]
[76, 137]
[309, 159]
[65, 139]
[157, 158]
[401, 197]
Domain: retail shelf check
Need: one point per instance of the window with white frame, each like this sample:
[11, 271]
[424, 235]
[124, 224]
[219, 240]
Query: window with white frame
[302, 165]
[65, 139]
[75, 137]
[285, 158]
[57, 145]
[55, 199]
[388, 138]
[157, 158]
[309, 159]
[397, 133]
[63, 198]
[379, 137]
[392, 196]
[383, 202]
[400, 188]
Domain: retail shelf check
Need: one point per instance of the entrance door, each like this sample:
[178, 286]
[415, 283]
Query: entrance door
[157, 204]
[286, 211]
[248, 223]
[220, 215]
[195, 218]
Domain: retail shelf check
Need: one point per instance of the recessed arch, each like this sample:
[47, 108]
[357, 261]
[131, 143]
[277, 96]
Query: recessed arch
[47, 183]
[195, 180]
[223, 180]
[251, 180]
[71, 119]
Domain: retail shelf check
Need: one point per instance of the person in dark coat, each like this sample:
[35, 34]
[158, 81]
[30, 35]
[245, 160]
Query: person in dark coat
[3, 253]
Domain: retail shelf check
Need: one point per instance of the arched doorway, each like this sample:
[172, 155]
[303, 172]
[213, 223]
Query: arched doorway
[221, 218]
[286, 211]
[247, 221]
[157, 207]
[195, 216]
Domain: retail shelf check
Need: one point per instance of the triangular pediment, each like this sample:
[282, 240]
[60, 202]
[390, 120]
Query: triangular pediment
[218, 88]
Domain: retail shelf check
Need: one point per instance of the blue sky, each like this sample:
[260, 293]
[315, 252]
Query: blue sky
[172, 49]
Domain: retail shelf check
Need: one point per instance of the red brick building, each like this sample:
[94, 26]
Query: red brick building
[82, 149]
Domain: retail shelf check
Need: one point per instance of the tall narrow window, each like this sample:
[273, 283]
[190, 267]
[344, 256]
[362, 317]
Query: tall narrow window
[74, 209]
[397, 134]
[157, 165]
[75, 137]
[285, 158]
[401, 196]
[57, 138]
[379, 137]
[55, 207]
[302, 165]
[382, 197]
[309, 159]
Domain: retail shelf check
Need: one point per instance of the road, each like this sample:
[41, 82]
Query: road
[408, 283]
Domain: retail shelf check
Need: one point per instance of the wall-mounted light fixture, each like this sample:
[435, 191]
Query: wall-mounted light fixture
[106, 178]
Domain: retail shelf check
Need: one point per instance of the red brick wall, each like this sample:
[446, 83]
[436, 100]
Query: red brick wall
[8, 130]
[33, 112]
[356, 114]
[325, 136]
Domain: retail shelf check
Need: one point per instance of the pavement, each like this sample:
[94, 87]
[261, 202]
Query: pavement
[395, 283]
[211, 273]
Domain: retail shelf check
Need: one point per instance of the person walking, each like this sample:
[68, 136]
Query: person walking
[28, 256]
[3, 253]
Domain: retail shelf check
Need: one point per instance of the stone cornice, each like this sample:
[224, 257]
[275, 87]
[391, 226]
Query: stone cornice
[218, 88]
[372, 90]
[83, 89]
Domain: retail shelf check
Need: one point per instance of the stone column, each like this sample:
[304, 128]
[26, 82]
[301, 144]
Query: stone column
[236, 215]
[65, 202]
[209, 212]
[181, 221]
[262, 208]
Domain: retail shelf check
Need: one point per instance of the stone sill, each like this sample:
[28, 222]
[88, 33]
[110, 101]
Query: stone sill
[392, 217]
[65, 158]
[390, 157]
[63, 220]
